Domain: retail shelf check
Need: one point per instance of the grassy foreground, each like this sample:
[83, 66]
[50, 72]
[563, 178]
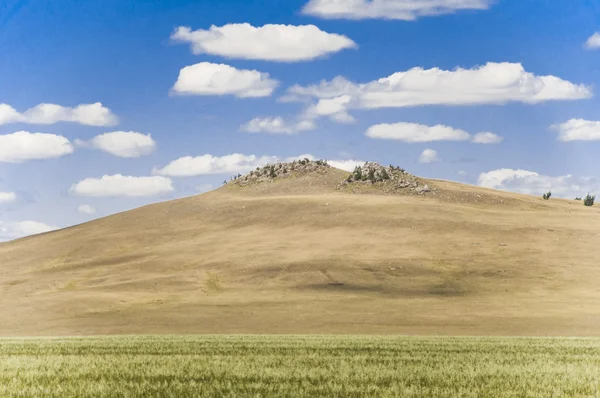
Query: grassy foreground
[299, 366]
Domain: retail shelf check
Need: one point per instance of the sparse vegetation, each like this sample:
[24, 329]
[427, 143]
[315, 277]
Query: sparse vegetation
[212, 282]
[547, 195]
[578, 198]
[589, 200]
[299, 366]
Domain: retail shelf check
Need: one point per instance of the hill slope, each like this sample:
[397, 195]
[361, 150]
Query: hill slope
[299, 255]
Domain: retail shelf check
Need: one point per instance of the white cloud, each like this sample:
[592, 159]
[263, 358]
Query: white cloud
[530, 182]
[593, 42]
[125, 144]
[487, 138]
[206, 78]
[334, 108]
[122, 186]
[429, 156]
[578, 130]
[276, 125]
[87, 114]
[208, 164]
[15, 230]
[86, 209]
[7, 197]
[346, 165]
[407, 10]
[236, 163]
[283, 43]
[412, 132]
[22, 146]
[493, 83]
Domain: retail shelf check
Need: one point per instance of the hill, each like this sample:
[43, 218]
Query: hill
[312, 252]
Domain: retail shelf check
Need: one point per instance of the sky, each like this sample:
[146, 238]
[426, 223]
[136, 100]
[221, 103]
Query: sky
[108, 106]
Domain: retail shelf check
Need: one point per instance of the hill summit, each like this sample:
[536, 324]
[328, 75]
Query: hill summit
[388, 179]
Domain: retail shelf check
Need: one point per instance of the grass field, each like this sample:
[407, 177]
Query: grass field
[300, 366]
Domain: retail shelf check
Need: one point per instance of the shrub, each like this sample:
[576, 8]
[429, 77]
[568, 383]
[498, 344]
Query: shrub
[578, 198]
[589, 200]
[384, 174]
[357, 173]
[371, 175]
[272, 172]
[547, 196]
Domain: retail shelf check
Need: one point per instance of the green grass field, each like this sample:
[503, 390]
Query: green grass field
[300, 366]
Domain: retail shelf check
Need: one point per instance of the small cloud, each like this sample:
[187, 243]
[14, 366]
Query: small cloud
[281, 43]
[125, 144]
[122, 186]
[276, 125]
[206, 78]
[593, 42]
[346, 165]
[86, 114]
[7, 197]
[487, 138]
[412, 132]
[86, 209]
[23, 146]
[429, 156]
[15, 230]
[406, 10]
[578, 130]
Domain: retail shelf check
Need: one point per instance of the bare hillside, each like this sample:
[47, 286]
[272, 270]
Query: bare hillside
[307, 253]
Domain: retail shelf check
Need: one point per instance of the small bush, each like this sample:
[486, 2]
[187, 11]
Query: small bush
[547, 195]
[371, 175]
[577, 198]
[589, 200]
[384, 175]
[357, 173]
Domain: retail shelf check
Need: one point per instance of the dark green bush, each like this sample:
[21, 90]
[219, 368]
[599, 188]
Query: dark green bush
[589, 200]
[547, 195]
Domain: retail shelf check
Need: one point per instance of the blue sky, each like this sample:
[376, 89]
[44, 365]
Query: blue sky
[121, 54]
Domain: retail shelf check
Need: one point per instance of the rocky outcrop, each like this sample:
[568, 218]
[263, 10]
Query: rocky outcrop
[389, 179]
[270, 172]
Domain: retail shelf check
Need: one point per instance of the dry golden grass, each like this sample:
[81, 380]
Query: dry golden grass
[298, 256]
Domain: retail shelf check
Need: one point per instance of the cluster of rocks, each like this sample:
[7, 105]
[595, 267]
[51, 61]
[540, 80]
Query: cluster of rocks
[277, 170]
[390, 178]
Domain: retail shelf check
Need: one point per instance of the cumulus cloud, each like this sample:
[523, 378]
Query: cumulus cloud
[87, 114]
[429, 156]
[282, 43]
[276, 125]
[208, 164]
[7, 197]
[15, 230]
[206, 78]
[86, 209]
[578, 130]
[122, 186]
[334, 108]
[407, 10]
[487, 138]
[412, 132]
[493, 83]
[593, 42]
[22, 146]
[530, 182]
[346, 165]
[125, 144]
